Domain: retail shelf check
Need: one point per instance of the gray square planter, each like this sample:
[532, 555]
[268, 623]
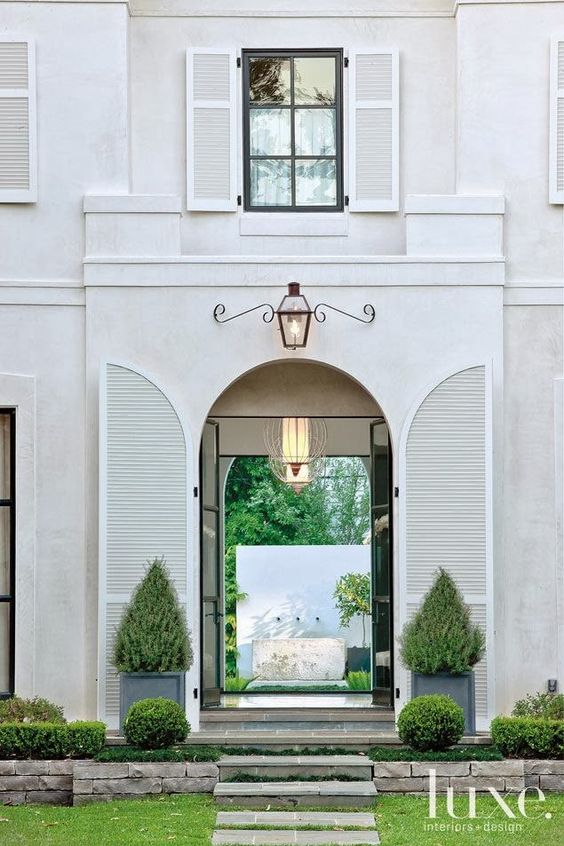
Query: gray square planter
[460, 688]
[136, 686]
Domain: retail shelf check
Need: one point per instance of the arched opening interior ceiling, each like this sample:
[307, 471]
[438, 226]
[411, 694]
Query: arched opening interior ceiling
[295, 388]
[300, 389]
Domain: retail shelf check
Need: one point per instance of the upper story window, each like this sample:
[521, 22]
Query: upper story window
[293, 130]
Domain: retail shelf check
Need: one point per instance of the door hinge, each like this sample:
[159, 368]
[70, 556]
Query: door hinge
[397, 693]
[396, 492]
[238, 61]
[195, 693]
[239, 200]
[346, 62]
[195, 492]
[346, 199]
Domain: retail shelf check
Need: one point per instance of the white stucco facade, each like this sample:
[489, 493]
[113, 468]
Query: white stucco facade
[109, 267]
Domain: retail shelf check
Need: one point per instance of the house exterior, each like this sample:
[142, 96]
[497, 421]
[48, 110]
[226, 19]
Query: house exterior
[160, 158]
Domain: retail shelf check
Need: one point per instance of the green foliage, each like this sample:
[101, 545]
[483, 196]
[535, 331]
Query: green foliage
[155, 724]
[249, 778]
[441, 637]
[130, 754]
[51, 740]
[359, 680]
[547, 705]
[86, 739]
[236, 684]
[352, 595]
[528, 737]
[36, 710]
[297, 749]
[152, 636]
[431, 722]
[262, 510]
[458, 753]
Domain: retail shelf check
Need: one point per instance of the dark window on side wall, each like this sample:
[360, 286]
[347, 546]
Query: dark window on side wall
[7, 550]
[293, 130]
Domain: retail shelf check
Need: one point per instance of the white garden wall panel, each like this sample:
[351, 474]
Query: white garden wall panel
[143, 458]
[447, 479]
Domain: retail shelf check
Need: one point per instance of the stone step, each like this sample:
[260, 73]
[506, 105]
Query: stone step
[305, 725]
[240, 837]
[295, 819]
[356, 741]
[357, 794]
[315, 714]
[358, 767]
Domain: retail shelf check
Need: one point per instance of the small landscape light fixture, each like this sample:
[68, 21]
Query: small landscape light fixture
[294, 316]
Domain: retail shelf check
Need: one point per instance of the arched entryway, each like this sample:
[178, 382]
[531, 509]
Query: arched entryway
[356, 426]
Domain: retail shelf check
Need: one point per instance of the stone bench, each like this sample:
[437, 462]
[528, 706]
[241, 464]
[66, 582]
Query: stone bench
[299, 659]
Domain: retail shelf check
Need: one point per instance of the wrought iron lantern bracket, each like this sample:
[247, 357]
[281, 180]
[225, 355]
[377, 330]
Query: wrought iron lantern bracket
[294, 307]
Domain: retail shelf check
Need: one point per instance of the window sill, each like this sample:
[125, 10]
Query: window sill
[300, 225]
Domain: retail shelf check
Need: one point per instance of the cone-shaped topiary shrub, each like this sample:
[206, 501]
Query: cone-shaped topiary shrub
[441, 638]
[152, 636]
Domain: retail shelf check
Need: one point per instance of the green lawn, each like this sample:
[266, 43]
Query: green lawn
[403, 821]
[185, 821]
[189, 820]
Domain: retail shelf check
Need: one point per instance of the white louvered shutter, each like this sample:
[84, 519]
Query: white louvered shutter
[556, 165]
[446, 501]
[374, 131]
[211, 130]
[143, 506]
[18, 159]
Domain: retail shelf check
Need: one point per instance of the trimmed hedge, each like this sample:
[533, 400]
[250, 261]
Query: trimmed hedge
[51, 740]
[528, 737]
[130, 755]
[457, 753]
[431, 722]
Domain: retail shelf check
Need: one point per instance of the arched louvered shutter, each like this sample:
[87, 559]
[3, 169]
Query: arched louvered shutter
[373, 146]
[18, 131]
[446, 518]
[556, 165]
[143, 508]
[211, 130]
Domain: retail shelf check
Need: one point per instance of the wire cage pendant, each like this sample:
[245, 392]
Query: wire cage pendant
[296, 449]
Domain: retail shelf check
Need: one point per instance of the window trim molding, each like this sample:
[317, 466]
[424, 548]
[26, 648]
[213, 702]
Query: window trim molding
[338, 54]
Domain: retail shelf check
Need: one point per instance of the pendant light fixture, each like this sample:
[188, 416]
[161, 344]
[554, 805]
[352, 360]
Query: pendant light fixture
[296, 449]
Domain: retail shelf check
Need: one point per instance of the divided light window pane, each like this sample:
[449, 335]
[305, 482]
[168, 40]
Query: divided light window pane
[4, 647]
[5, 587]
[5, 427]
[293, 126]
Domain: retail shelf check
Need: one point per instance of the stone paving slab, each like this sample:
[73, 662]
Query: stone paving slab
[295, 760]
[300, 838]
[315, 788]
[289, 819]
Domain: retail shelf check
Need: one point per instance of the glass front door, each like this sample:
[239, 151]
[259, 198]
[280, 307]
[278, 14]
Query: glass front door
[212, 593]
[382, 607]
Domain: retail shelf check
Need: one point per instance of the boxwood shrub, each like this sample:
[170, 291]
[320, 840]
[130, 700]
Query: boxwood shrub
[36, 710]
[155, 724]
[528, 737]
[51, 740]
[431, 722]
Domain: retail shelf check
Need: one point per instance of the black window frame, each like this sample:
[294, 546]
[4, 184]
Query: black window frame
[10, 598]
[336, 54]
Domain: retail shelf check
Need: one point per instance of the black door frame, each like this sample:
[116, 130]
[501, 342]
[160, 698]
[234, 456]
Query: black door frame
[211, 697]
[377, 699]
